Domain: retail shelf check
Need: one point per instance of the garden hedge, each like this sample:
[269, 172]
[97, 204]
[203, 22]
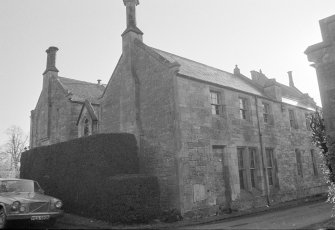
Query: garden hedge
[95, 176]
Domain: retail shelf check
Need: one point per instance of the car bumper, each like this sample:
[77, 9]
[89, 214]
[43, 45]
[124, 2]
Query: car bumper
[28, 216]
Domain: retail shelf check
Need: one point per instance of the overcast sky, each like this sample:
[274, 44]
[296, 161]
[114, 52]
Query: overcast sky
[271, 35]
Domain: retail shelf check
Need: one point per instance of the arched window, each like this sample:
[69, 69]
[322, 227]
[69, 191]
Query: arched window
[86, 128]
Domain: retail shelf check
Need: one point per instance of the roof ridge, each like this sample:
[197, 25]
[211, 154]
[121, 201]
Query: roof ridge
[79, 81]
[153, 52]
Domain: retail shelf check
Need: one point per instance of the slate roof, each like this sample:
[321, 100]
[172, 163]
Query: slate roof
[82, 90]
[290, 92]
[210, 74]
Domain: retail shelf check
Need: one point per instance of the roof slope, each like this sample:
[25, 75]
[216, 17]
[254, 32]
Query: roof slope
[290, 92]
[82, 90]
[210, 74]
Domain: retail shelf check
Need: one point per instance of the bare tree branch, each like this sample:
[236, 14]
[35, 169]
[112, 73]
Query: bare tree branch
[15, 145]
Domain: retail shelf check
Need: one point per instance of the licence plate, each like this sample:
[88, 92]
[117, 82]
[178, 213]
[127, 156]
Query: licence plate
[45, 217]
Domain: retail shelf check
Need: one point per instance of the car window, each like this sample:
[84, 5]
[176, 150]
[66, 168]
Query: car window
[16, 186]
[3, 187]
[37, 187]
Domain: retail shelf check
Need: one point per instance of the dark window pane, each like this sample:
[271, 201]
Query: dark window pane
[270, 176]
[292, 119]
[299, 162]
[215, 102]
[315, 169]
[252, 158]
[240, 158]
[241, 179]
[241, 170]
[243, 108]
[307, 122]
[252, 177]
[266, 111]
[269, 157]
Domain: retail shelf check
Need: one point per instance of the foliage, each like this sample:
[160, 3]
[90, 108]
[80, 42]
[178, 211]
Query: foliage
[327, 146]
[14, 146]
[318, 130]
[95, 176]
[320, 140]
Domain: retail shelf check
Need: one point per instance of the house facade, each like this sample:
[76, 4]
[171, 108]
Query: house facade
[216, 140]
[61, 101]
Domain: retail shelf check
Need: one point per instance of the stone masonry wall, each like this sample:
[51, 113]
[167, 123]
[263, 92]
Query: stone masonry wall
[144, 105]
[54, 116]
[210, 179]
[39, 119]
[159, 141]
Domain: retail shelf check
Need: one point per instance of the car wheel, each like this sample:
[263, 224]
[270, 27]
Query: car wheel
[3, 218]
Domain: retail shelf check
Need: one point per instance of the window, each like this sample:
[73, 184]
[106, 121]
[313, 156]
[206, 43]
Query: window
[270, 165]
[243, 108]
[218, 150]
[247, 167]
[215, 102]
[86, 128]
[252, 164]
[293, 122]
[308, 123]
[315, 168]
[266, 112]
[241, 168]
[299, 162]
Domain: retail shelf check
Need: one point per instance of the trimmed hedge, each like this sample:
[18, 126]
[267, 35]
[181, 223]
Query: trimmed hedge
[95, 176]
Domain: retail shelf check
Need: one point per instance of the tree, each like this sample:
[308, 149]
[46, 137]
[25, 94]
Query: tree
[15, 145]
[327, 145]
[320, 140]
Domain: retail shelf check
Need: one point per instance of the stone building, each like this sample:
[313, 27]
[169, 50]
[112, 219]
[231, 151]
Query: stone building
[215, 139]
[323, 57]
[61, 101]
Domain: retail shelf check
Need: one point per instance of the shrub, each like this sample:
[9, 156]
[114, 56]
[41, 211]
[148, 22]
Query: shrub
[85, 174]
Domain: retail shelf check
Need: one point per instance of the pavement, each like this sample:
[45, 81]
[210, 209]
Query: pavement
[77, 222]
[300, 217]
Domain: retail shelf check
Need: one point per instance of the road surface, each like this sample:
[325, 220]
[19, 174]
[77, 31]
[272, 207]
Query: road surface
[293, 218]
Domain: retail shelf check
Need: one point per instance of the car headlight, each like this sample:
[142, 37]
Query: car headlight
[22, 209]
[15, 206]
[58, 204]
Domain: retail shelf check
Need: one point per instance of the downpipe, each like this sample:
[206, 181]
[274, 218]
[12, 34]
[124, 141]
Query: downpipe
[262, 154]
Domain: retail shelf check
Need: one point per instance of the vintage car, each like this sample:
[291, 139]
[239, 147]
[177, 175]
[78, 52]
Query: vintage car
[22, 199]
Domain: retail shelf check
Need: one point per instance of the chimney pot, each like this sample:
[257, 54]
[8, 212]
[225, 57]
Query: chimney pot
[99, 82]
[291, 83]
[51, 59]
[237, 70]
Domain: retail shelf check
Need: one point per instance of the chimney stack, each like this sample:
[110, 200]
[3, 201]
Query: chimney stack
[291, 83]
[99, 82]
[237, 70]
[131, 16]
[51, 59]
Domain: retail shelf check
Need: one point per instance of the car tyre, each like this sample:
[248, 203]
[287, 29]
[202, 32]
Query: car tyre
[3, 219]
